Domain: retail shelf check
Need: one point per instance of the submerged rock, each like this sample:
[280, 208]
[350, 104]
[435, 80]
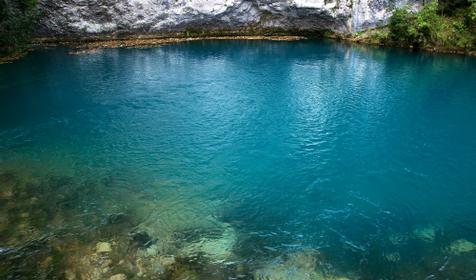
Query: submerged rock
[94, 266]
[103, 247]
[297, 266]
[217, 249]
[426, 234]
[118, 277]
[141, 239]
[461, 246]
[117, 218]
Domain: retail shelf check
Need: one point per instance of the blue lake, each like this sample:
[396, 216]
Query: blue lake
[238, 160]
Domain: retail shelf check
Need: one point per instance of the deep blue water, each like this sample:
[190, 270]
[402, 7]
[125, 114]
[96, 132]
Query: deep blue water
[288, 160]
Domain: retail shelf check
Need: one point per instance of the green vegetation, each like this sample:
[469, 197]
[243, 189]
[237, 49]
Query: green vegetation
[472, 11]
[17, 18]
[439, 25]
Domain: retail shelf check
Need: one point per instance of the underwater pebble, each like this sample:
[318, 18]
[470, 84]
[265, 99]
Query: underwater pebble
[118, 277]
[103, 247]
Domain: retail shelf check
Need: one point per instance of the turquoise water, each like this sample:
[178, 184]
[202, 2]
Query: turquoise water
[238, 160]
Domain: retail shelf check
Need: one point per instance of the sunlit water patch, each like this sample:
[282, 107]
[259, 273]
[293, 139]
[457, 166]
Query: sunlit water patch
[238, 160]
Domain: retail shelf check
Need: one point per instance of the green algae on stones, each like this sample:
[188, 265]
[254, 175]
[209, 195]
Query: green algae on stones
[461, 246]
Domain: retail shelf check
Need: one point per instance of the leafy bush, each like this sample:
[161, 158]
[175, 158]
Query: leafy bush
[400, 25]
[431, 27]
[17, 18]
[472, 11]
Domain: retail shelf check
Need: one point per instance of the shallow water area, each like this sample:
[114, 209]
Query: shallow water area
[238, 160]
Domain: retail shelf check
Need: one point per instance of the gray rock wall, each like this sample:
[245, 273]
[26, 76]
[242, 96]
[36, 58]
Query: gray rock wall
[92, 17]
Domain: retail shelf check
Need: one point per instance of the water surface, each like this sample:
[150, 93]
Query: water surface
[238, 160]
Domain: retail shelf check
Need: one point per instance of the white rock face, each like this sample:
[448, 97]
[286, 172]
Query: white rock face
[90, 17]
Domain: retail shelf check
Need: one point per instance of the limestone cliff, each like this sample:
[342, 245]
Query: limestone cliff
[90, 17]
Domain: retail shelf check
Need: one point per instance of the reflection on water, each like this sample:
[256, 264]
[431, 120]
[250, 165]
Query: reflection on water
[238, 160]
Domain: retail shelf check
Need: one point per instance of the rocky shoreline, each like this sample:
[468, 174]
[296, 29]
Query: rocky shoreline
[91, 44]
[140, 42]
[12, 56]
[367, 38]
